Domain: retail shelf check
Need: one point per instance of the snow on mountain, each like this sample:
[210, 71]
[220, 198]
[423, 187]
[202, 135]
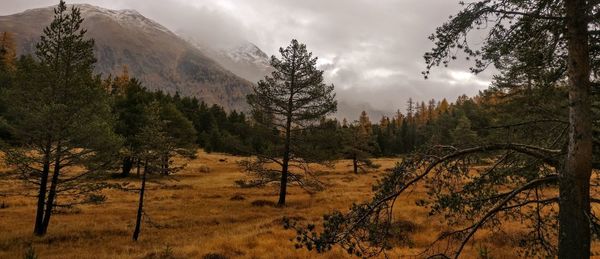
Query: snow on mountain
[160, 59]
[247, 52]
[126, 17]
[243, 58]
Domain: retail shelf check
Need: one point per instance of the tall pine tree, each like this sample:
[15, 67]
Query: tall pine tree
[60, 117]
[295, 96]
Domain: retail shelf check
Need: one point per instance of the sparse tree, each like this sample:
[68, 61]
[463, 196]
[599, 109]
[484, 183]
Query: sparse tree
[295, 97]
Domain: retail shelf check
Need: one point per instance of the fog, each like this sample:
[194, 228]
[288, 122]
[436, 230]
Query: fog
[371, 50]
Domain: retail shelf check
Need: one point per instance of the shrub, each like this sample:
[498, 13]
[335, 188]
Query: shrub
[263, 203]
[238, 197]
[214, 256]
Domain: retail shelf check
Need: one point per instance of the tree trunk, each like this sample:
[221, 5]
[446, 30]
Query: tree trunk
[39, 215]
[138, 220]
[52, 192]
[574, 221]
[285, 166]
[355, 164]
[138, 167]
[166, 164]
[286, 155]
[127, 165]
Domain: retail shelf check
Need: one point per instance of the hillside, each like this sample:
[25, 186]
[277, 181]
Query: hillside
[155, 55]
[242, 58]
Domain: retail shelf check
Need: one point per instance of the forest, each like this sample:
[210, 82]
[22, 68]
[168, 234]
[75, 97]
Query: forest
[509, 172]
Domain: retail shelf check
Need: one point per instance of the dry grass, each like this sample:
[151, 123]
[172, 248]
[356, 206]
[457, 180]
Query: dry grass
[204, 215]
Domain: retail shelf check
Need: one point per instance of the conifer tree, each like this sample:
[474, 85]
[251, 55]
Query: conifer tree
[119, 85]
[431, 113]
[410, 110]
[164, 134]
[7, 74]
[8, 51]
[130, 98]
[444, 106]
[463, 135]
[364, 124]
[60, 117]
[153, 139]
[384, 122]
[358, 145]
[131, 102]
[296, 97]
[181, 135]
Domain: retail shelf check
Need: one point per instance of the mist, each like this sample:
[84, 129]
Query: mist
[371, 51]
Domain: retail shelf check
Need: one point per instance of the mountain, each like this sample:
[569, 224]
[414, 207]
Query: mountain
[242, 57]
[158, 57]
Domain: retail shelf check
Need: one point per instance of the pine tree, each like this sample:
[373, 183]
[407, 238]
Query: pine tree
[166, 132]
[410, 110]
[153, 139]
[358, 146]
[129, 108]
[399, 118]
[364, 124]
[60, 116]
[295, 96]
[120, 83]
[463, 134]
[7, 74]
[384, 123]
[423, 114]
[431, 113]
[181, 135]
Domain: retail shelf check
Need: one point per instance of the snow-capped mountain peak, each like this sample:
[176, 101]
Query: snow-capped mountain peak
[242, 58]
[247, 52]
[125, 17]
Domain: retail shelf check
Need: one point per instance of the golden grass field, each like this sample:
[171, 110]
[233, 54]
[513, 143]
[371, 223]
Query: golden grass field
[194, 217]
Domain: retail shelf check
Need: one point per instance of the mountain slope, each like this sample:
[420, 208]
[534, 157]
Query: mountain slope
[155, 55]
[242, 58]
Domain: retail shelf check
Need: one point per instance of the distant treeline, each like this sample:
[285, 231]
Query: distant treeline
[440, 123]
[234, 132]
[214, 127]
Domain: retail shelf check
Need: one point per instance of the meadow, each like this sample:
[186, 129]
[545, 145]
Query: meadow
[201, 213]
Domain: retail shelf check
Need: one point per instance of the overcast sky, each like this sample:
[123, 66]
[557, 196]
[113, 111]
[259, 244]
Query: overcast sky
[370, 49]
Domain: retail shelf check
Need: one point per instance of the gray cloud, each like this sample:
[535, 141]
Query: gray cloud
[371, 50]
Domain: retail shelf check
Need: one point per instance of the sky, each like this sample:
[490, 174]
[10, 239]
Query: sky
[371, 50]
